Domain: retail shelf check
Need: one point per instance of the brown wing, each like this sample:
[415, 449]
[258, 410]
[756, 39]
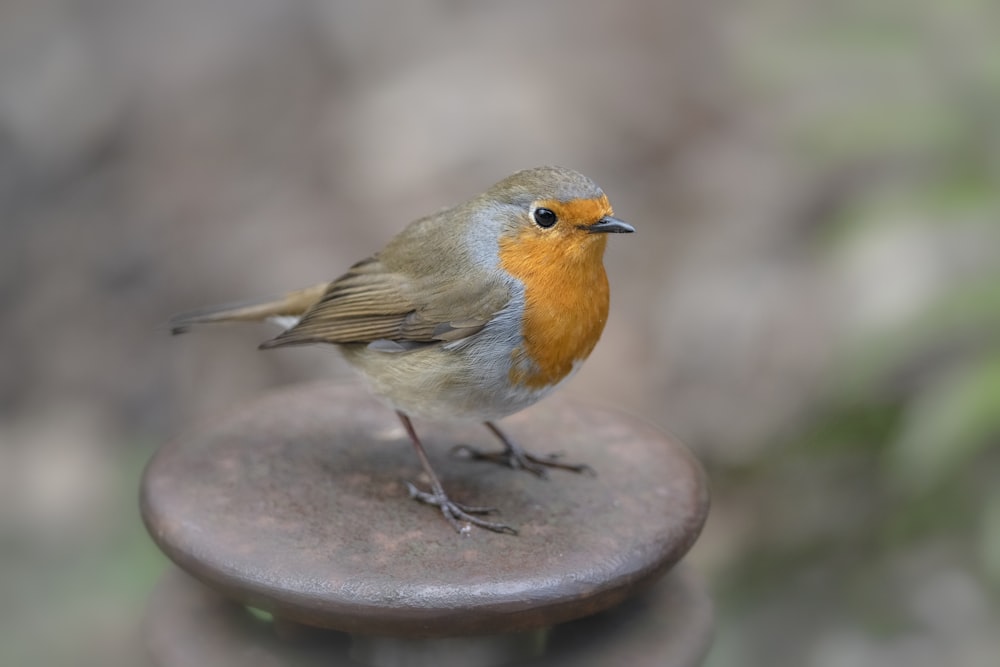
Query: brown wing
[371, 303]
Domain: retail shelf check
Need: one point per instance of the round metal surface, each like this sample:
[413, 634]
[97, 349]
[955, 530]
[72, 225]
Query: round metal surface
[296, 504]
[669, 624]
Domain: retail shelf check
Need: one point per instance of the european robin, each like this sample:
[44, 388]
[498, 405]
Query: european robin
[475, 312]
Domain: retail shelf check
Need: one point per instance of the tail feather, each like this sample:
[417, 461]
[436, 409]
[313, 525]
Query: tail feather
[293, 304]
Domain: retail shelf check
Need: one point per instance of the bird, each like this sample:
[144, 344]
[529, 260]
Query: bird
[471, 313]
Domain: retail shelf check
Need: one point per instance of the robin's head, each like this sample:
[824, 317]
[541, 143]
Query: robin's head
[555, 211]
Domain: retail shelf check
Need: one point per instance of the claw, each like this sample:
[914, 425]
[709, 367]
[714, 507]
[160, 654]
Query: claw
[455, 512]
[514, 456]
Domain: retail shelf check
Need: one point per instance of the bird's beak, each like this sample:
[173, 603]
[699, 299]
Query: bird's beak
[609, 225]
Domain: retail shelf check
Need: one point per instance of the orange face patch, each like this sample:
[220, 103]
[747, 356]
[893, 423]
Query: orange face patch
[566, 292]
[579, 211]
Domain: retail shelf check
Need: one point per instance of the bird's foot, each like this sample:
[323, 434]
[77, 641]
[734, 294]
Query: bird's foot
[517, 458]
[456, 513]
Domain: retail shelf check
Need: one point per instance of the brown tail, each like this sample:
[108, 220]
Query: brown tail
[293, 304]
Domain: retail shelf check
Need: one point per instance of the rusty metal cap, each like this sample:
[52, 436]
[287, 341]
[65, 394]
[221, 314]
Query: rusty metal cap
[295, 504]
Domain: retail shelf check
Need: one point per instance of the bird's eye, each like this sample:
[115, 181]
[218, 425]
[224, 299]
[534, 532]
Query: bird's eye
[545, 218]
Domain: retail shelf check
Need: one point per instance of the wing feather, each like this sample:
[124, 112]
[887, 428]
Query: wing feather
[372, 303]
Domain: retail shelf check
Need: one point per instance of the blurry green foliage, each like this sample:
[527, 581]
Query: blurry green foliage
[902, 454]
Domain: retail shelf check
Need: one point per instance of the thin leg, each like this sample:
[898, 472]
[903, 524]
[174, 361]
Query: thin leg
[453, 512]
[518, 458]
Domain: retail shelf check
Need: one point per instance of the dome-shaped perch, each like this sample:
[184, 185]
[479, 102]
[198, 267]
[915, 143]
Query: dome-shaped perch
[296, 504]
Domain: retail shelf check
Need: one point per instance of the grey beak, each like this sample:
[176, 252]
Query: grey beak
[609, 225]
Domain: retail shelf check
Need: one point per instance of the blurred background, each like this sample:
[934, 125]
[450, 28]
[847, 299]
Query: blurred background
[812, 302]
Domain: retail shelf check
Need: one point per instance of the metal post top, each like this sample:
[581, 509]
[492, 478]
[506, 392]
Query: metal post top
[296, 504]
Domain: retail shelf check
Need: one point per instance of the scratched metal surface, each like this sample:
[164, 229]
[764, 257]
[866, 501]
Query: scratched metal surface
[296, 504]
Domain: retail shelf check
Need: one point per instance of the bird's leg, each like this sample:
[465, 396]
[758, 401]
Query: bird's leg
[518, 458]
[453, 512]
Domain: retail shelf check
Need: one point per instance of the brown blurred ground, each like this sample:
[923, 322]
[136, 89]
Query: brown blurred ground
[806, 178]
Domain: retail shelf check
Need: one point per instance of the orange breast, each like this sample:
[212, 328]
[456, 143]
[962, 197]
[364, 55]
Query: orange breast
[566, 302]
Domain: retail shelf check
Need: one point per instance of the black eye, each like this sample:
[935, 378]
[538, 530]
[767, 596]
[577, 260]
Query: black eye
[545, 218]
